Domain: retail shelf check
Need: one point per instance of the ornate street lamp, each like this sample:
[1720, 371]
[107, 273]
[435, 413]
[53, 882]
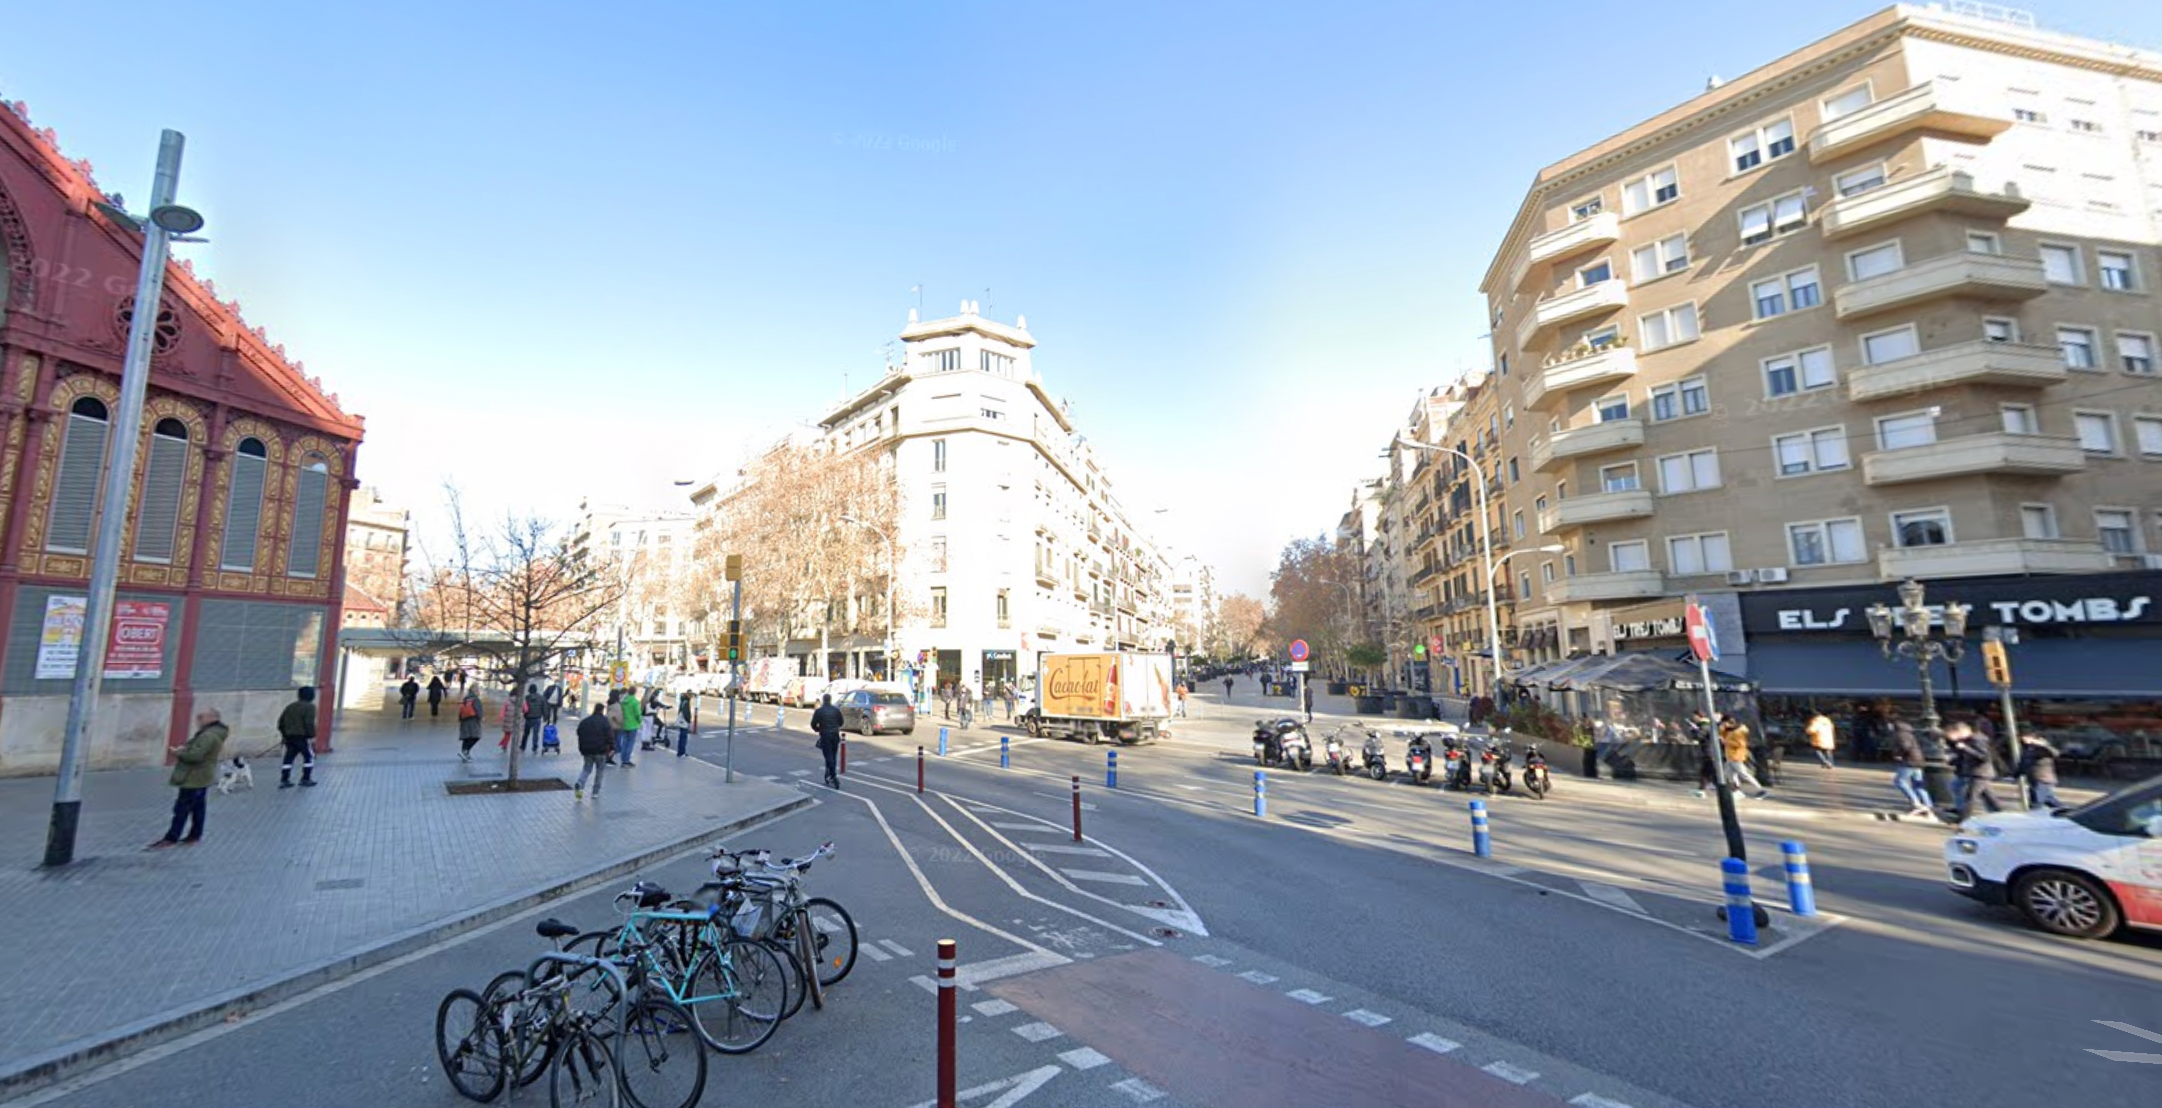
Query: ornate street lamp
[1914, 640]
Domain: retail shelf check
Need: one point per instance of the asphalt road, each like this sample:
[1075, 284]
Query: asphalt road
[1190, 953]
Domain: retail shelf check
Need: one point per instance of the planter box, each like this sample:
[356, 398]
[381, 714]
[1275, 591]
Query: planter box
[1366, 705]
[1338, 688]
[1656, 761]
[1414, 707]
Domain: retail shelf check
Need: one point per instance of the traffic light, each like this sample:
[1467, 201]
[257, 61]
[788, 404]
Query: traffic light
[1996, 664]
[1418, 650]
[734, 571]
[735, 640]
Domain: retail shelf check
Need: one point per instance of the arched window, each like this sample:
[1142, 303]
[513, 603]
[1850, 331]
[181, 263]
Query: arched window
[80, 483]
[157, 513]
[244, 508]
[310, 492]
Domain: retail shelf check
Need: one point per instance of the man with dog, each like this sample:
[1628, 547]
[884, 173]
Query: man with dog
[195, 767]
[296, 725]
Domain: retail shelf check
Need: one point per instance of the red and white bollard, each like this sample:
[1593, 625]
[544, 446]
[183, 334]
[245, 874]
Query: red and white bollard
[948, 1069]
[1077, 809]
[844, 754]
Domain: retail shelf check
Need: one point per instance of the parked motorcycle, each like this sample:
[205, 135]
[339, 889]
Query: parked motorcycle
[1455, 764]
[1336, 755]
[1536, 779]
[1498, 754]
[1276, 739]
[1298, 752]
[1375, 756]
[1419, 760]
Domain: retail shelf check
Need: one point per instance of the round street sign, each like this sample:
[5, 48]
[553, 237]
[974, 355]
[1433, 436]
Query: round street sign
[1298, 650]
[1433, 644]
[1702, 642]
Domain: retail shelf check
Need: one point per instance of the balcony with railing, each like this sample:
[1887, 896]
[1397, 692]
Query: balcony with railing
[1631, 584]
[1562, 242]
[1574, 304]
[1600, 507]
[1980, 362]
[1943, 190]
[1996, 277]
[1992, 557]
[1967, 455]
[1604, 366]
[1553, 451]
[1931, 108]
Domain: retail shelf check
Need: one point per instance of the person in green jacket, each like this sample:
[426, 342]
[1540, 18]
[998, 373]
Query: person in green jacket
[296, 726]
[633, 718]
[195, 769]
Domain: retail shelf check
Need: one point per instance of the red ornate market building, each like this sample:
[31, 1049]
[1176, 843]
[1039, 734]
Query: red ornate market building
[232, 565]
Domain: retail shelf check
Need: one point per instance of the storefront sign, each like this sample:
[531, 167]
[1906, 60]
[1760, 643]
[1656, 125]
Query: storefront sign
[137, 646]
[1670, 627]
[2087, 600]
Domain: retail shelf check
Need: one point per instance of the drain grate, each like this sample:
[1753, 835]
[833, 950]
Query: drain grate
[341, 883]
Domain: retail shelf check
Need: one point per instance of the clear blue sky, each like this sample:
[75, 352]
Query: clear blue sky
[552, 249]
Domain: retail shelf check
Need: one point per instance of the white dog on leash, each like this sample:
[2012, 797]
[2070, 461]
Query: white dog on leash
[236, 775]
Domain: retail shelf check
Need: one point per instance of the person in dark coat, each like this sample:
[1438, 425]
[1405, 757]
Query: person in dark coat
[552, 702]
[1975, 769]
[408, 695]
[195, 769]
[296, 726]
[1907, 771]
[2038, 768]
[530, 740]
[826, 721]
[436, 689]
[686, 714]
[596, 741]
[469, 710]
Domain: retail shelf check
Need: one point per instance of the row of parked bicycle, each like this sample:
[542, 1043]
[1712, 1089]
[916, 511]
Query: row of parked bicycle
[1469, 760]
[632, 1010]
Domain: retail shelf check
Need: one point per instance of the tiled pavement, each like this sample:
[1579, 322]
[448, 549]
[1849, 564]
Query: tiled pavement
[294, 881]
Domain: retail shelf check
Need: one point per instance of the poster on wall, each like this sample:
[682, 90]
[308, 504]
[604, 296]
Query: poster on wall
[61, 639]
[137, 646]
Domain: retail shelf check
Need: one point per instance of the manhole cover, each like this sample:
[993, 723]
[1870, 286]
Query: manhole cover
[1165, 933]
[341, 883]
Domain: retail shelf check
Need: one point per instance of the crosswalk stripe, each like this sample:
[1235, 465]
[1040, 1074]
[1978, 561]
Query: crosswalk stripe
[1083, 851]
[897, 948]
[1036, 827]
[1434, 1042]
[1105, 878]
[1515, 1075]
[876, 954]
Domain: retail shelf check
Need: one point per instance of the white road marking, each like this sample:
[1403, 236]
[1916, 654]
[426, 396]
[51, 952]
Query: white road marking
[1433, 1042]
[972, 974]
[1258, 977]
[1140, 1090]
[1308, 996]
[876, 954]
[931, 893]
[1181, 917]
[1594, 1100]
[1370, 1019]
[1611, 897]
[799, 772]
[1085, 805]
[1086, 1058]
[1212, 960]
[1515, 1075]
[2126, 1055]
[1037, 1032]
[993, 1007]
[1016, 1087]
[897, 948]
[1105, 878]
[1080, 851]
[1039, 827]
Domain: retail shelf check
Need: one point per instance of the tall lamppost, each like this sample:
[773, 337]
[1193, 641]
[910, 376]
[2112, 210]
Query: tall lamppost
[1486, 546]
[1493, 566]
[1916, 642]
[893, 571]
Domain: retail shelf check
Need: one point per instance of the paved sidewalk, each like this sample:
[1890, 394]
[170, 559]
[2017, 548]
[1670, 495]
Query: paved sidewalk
[299, 886]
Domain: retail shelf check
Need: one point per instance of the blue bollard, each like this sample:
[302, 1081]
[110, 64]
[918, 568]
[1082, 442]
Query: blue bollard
[1111, 769]
[1005, 760]
[1261, 793]
[1482, 844]
[1741, 907]
[941, 742]
[1801, 894]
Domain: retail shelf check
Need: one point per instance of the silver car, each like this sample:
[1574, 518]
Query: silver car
[870, 711]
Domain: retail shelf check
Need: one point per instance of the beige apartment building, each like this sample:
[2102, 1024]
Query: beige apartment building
[1883, 308]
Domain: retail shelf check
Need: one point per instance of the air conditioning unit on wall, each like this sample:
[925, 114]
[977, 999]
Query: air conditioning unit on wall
[1740, 576]
[1776, 575]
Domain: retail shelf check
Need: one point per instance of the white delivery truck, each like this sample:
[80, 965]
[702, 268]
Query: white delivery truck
[1110, 696]
[769, 678]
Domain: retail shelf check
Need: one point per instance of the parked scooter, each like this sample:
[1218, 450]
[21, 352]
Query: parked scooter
[1376, 757]
[1298, 753]
[1536, 779]
[1419, 760]
[1336, 755]
[1455, 764]
[1275, 739]
[1497, 754]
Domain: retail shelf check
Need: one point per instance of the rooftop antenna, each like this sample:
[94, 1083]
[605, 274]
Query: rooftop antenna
[917, 288]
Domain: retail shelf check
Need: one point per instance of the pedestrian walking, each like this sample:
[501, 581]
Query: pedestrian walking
[1699, 731]
[436, 689]
[1907, 770]
[459, 673]
[826, 721]
[530, 740]
[634, 718]
[965, 703]
[596, 737]
[655, 713]
[508, 717]
[1734, 745]
[1227, 688]
[408, 694]
[1975, 768]
[1308, 691]
[469, 709]
[1607, 738]
[296, 725]
[1006, 691]
[1822, 735]
[2038, 771]
[195, 769]
[552, 702]
[945, 700]
[1180, 692]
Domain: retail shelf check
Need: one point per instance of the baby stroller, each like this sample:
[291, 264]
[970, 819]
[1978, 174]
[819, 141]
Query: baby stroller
[551, 740]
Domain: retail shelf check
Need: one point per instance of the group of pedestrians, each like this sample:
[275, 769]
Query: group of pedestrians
[626, 722]
[1977, 763]
[197, 762]
[958, 700]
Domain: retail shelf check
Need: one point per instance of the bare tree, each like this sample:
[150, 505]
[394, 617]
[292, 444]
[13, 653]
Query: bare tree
[1314, 595]
[1238, 627]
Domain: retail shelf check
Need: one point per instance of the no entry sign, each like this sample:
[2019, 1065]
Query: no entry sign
[1299, 652]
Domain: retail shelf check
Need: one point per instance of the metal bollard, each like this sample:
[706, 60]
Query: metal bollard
[1077, 808]
[844, 755]
[948, 1033]
[919, 769]
[1482, 844]
[1801, 894]
[941, 742]
[1741, 907]
[1261, 793]
[1005, 752]
[1111, 769]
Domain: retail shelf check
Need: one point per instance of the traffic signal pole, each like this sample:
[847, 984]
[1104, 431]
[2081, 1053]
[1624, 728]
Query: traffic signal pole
[1997, 665]
[735, 660]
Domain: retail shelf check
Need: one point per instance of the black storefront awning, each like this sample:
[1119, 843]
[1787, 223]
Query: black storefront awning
[2085, 667]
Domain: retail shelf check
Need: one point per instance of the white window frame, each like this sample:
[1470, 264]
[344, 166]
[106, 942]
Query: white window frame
[1941, 511]
[1605, 404]
[1669, 315]
[1516, 523]
[2093, 346]
[2011, 328]
[1546, 573]
[1827, 112]
[1822, 528]
[1909, 329]
[1587, 207]
[1636, 477]
[1690, 457]
[2046, 514]
[1774, 229]
[1785, 299]
[2081, 419]
[1661, 264]
[1812, 442]
[1898, 253]
[2043, 251]
[2148, 447]
[1599, 338]
[1882, 171]
[1606, 263]
[1760, 145]
[1928, 414]
[1630, 206]
[1985, 242]
[1703, 559]
[2029, 421]
[2131, 271]
[1802, 382]
[2124, 359]
[1643, 549]
[2132, 529]
[1678, 391]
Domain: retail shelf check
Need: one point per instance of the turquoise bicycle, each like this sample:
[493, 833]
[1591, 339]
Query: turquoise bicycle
[735, 988]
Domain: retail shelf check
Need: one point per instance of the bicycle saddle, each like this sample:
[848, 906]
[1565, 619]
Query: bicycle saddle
[554, 929]
[650, 895]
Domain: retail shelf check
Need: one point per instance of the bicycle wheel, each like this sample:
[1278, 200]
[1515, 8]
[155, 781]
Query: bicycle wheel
[530, 1046]
[470, 1048]
[835, 933]
[793, 970]
[749, 988]
[584, 1071]
[658, 1058]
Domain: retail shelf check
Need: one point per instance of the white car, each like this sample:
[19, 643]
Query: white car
[2082, 873]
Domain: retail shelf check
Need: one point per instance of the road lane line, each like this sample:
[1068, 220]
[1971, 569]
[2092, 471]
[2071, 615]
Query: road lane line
[1084, 1059]
[930, 892]
[1362, 1016]
[1080, 851]
[1183, 917]
[1515, 1075]
[993, 1007]
[1433, 1042]
[1037, 1032]
[1308, 996]
[1141, 1091]
[1258, 977]
[1212, 961]
[1594, 1100]
[2131, 1030]
[1106, 878]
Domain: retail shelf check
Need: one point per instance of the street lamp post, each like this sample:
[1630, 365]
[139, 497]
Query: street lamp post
[1912, 619]
[1493, 566]
[1486, 549]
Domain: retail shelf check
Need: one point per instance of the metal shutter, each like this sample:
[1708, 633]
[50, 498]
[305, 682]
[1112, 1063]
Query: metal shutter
[307, 548]
[78, 487]
[244, 513]
[158, 513]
